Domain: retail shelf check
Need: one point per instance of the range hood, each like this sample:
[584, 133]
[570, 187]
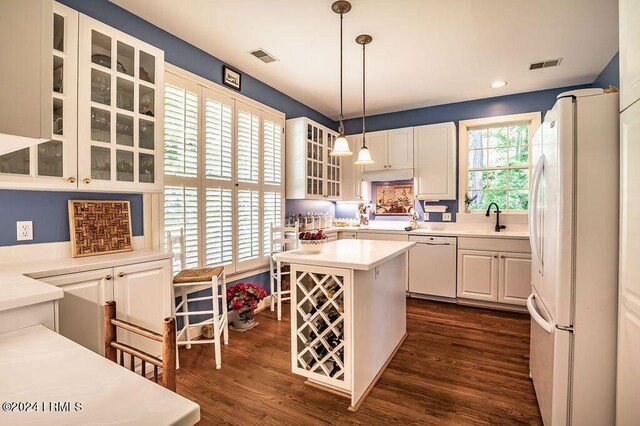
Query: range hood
[387, 175]
[12, 143]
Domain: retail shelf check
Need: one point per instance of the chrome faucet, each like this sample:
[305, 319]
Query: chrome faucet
[498, 226]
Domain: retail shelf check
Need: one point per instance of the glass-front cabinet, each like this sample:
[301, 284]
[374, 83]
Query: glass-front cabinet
[53, 164]
[319, 176]
[120, 98]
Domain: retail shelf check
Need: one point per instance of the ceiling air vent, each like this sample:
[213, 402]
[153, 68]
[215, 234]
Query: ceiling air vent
[263, 55]
[545, 64]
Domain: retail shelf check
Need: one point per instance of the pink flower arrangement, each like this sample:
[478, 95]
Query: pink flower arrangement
[241, 295]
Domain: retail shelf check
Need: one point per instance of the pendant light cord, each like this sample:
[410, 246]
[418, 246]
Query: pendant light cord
[364, 113]
[341, 126]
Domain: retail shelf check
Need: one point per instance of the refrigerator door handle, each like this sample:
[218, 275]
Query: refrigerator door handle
[535, 315]
[533, 210]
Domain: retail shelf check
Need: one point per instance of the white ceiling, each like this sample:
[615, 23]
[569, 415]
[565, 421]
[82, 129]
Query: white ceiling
[424, 52]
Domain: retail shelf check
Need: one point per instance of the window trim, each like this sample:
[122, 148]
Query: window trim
[201, 86]
[533, 118]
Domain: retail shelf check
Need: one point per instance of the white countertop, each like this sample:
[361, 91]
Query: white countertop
[38, 365]
[453, 231]
[19, 285]
[349, 254]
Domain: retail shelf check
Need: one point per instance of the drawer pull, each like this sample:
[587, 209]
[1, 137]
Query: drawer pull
[121, 274]
[108, 277]
[71, 179]
[86, 180]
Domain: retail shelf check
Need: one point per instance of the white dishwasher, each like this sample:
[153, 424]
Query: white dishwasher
[432, 266]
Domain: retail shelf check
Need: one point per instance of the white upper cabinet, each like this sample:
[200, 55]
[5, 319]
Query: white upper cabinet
[51, 164]
[400, 149]
[93, 94]
[434, 150]
[312, 174]
[629, 10]
[26, 31]
[390, 149]
[120, 110]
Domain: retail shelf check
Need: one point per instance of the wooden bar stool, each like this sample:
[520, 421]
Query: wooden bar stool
[168, 339]
[191, 280]
[279, 242]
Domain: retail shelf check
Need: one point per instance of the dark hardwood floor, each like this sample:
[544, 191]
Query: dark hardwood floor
[459, 365]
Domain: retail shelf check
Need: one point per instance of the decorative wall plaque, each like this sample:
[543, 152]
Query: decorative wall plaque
[394, 199]
[99, 227]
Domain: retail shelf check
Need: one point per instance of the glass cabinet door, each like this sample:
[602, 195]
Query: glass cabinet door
[53, 164]
[333, 170]
[315, 160]
[120, 83]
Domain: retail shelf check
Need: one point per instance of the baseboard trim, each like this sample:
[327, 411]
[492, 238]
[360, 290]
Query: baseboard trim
[321, 386]
[492, 305]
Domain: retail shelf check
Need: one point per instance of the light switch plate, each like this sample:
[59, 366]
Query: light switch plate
[24, 230]
[446, 217]
[426, 217]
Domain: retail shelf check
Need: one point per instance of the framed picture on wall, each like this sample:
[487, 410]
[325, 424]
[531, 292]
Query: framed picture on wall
[231, 78]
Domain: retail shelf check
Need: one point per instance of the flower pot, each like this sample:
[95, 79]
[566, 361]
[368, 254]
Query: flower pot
[241, 318]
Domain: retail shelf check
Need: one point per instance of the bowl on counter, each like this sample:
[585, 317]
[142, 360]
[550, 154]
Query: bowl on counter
[312, 246]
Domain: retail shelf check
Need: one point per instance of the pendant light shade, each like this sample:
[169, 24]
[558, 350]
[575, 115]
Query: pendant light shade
[341, 145]
[364, 156]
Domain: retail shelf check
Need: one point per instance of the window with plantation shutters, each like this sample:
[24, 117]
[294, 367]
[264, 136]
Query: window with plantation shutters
[248, 145]
[181, 132]
[181, 214]
[223, 175]
[248, 225]
[272, 215]
[272, 136]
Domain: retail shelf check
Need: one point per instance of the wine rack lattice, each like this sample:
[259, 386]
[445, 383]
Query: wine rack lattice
[320, 324]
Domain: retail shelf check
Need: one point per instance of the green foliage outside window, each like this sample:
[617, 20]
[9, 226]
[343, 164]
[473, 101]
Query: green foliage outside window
[499, 167]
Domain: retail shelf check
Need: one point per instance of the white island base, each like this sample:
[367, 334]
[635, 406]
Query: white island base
[348, 313]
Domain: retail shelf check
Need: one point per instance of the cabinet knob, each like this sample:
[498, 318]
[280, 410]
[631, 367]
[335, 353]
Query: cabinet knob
[121, 274]
[71, 179]
[108, 277]
[385, 166]
[501, 257]
[237, 184]
[86, 180]
[389, 165]
[495, 256]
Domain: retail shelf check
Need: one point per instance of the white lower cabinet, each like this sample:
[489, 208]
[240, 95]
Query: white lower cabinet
[493, 276]
[347, 235]
[478, 275]
[81, 310]
[382, 236]
[142, 293]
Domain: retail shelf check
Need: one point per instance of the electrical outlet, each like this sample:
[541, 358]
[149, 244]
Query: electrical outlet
[25, 230]
[446, 217]
[426, 217]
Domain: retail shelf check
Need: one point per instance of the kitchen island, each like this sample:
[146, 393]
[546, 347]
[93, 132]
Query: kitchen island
[348, 313]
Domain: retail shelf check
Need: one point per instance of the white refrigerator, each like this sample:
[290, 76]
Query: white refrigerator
[573, 225]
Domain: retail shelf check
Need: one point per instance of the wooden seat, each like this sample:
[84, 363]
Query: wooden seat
[192, 280]
[115, 350]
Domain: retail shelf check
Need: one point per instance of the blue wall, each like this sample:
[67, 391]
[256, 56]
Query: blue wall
[49, 213]
[610, 75]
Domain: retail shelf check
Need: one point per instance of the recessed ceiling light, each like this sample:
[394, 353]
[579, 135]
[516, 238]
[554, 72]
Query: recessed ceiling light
[498, 84]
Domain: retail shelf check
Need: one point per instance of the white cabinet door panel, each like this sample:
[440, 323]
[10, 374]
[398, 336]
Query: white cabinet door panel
[477, 275]
[434, 151]
[515, 278]
[81, 310]
[400, 149]
[377, 144]
[382, 236]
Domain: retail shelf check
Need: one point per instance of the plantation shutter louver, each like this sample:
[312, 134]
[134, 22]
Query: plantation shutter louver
[181, 132]
[248, 225]
[218, 139]
[248, 146]
[181, 212]
[272, 132]
[272, 216]
[219, 226]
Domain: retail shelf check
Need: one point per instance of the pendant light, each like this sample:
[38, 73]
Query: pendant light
[341, 146]
[364, 156]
